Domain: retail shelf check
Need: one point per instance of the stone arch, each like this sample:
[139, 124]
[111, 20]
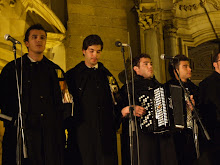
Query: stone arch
[45, 12]
[198, 32]
[18, 17]
[197, 22]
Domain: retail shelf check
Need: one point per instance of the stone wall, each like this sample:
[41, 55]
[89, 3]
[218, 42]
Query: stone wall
[102, 17]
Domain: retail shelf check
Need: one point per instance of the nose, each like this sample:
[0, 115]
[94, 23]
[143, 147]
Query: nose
[39, 39]
[190, 69]
[95, 54]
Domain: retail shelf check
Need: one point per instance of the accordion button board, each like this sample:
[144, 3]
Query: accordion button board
[164, 109]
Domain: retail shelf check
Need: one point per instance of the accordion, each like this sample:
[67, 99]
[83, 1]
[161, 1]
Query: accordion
[164, 109]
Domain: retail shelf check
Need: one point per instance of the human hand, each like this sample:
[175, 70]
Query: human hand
[189, 105]
[139, 111]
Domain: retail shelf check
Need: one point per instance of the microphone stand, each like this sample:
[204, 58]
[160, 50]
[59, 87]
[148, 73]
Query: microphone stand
[131, 121]
[196, 115]
[20, 128]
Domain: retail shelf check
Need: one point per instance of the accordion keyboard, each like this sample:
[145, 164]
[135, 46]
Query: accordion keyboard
[156, 117]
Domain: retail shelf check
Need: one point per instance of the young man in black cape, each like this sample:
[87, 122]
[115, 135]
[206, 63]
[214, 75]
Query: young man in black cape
[155, 149]
[184, 142]
[92, 129]
[40, 101]
[210, 111]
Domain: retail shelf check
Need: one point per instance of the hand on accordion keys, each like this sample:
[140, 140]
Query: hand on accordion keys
[189, 109]
[138, 111]
[189, 105]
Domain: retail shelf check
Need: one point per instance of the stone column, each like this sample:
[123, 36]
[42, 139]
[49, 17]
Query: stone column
[152, 47]
[170, 40]
[170, 44]
[149, 21]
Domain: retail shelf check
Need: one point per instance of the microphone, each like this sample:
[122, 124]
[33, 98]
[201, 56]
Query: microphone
[9, 38]
[165, 57]
[119, 44]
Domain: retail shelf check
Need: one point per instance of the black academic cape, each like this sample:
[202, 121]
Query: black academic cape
[210, 102]
[155, 149]
[210, 112]
[41, 110]
[184, 142]
[92, 130]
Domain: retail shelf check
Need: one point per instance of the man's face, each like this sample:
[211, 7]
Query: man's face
[145, 68]
[92, 54]
[36, 41]
[184, 71]
[217, 64]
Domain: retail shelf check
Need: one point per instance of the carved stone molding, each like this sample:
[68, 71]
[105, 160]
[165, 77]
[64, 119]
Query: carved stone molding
[12, 3]
[215, 3]
[188, 5]
[170, 29]
[148, 20]
[176, 1]
[3, 3]
[147, 6]
[149, 15]
[47, 2]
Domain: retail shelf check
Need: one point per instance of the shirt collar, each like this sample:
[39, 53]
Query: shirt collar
[96, 66]
[31, 59]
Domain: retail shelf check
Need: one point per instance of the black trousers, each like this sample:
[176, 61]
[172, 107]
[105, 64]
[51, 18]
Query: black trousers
[155, 149]
[185, 147]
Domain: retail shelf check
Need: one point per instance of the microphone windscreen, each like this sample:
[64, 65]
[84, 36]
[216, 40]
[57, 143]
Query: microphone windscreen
[118, 43]
[162, 56]
[6, 36]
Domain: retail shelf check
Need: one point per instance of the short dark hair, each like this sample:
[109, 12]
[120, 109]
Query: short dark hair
[215, 57]
[176, 63]
[33, 27]
[136, 60]
[90, 40]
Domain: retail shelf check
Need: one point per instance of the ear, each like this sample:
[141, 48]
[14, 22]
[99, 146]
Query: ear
[136, 69]
[215, 64]
[177, 71]
[27, 44]
[176, 74]
[84, 51]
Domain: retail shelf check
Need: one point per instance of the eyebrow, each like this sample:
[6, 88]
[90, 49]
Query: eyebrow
[146, 62]
[94, 49]
[38, 35]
